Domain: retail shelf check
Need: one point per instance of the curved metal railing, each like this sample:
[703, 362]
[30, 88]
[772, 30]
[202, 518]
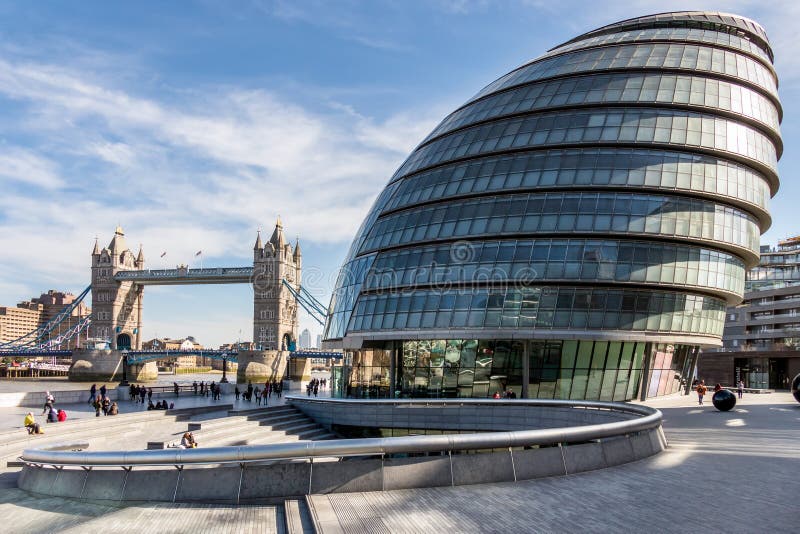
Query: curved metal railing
[646, 418]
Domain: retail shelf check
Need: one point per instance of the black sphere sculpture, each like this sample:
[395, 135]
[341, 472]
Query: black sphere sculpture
[724, 400]
[796, 388]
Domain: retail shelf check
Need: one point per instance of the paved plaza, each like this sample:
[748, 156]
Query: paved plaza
[734, 471]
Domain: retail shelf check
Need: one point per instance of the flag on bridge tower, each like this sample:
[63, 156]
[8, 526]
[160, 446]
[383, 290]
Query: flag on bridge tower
[199, 252]
[163, 253]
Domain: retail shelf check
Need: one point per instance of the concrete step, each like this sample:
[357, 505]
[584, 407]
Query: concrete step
[261, 409]
[213, 424]
[282, 416]
[297, 517]
[312, 434]
[226, 432]
[301, 426]
[56, 432]
[249, 438]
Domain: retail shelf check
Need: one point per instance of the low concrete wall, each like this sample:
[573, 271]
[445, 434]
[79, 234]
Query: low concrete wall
[458, 463]
[290, 479]
[35, 399]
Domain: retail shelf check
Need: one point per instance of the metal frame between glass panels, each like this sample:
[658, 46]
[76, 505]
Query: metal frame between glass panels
[675, 128]
[567, 260]
[582, 309]
[589, 168]
[629, 88]
[662, 56]
[586, 212]
[688, 35]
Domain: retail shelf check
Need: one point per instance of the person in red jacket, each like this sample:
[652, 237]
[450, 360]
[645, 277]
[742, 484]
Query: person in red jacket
[62, 416]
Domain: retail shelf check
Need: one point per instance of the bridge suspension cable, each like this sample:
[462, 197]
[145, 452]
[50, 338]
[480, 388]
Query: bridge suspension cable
[42, 337]
[317, 310]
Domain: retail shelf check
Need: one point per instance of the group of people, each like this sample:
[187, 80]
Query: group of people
[701, 389]
[204, 390]
[260, 395]
[160, 405]
[508, 394]
[102, 402]
[314, 385]
[138, 393]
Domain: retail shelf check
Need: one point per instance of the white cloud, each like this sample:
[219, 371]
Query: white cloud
[196, 170]
[21, 165]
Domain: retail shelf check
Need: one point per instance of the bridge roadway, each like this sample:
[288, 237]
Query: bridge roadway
[734, 471]
[182, 276]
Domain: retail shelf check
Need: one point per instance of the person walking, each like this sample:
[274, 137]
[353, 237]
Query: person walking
[701, 391]
[237, 392]
[98, 405]
[92, 393]
[740, 388]
[142, 393]
[106, 405]
[149, 395]
[194, 387]
[176, 389]
[257, 393]
[48, 402]
[103, 390]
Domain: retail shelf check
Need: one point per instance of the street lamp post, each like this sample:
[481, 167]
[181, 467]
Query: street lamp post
[224, 368]
[124, 371]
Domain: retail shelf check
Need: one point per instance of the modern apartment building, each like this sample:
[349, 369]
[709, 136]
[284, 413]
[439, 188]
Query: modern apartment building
[761, 341]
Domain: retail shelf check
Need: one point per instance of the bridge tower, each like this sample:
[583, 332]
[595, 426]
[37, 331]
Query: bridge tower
[275, 325]
[116, 305]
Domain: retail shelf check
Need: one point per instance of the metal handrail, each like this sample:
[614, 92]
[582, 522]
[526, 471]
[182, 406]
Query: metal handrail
[648, 418]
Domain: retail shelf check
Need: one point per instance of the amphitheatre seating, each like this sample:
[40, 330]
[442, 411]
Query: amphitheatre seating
[281, 424]
[13, 442]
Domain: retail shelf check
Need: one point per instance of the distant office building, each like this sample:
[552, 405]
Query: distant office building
[761, 341]
[577, 229]
[305, 339]
[19, 321]
[318, 344]
[53, 302]
[31, 314]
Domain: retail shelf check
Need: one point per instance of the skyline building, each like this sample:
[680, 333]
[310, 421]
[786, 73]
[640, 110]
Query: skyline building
[305, 339]
[575, 230]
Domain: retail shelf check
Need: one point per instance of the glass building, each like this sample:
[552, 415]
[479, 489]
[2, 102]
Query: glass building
[576, 229]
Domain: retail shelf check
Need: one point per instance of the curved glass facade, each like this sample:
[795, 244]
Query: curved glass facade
[577, 228]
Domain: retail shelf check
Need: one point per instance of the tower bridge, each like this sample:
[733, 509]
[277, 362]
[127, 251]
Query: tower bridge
[118, 279]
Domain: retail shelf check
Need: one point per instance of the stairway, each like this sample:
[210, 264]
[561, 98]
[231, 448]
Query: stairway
[259, 426]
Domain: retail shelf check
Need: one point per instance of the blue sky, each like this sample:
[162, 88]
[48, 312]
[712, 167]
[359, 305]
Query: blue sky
[192, 124]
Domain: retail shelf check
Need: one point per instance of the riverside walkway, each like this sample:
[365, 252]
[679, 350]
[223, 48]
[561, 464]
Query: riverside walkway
[734, 471]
